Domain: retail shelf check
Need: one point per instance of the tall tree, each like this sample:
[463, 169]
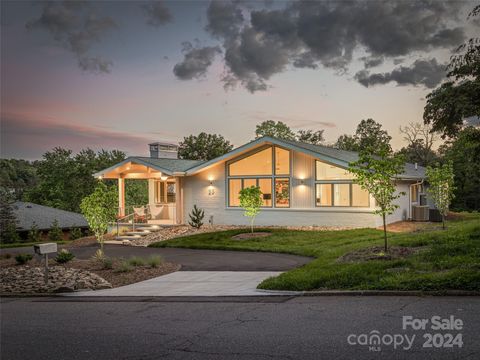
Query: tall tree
[203, 146]
[464, 153]
[8, 221]
[420, 140]
[310, 136]
[376, 172]
[458, 98]
[17, 176]
[277, 129]
[441, 187]
[65, 179]
[368, 135]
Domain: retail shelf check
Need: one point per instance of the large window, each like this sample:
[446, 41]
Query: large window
[259, 163]
[334, 187]
[268, 169]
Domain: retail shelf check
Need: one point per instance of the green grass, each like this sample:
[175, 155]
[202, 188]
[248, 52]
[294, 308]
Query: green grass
[450, 258]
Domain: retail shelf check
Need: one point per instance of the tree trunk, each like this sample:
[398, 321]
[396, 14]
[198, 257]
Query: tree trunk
[385, 232]
[251, 224]
[443, 222]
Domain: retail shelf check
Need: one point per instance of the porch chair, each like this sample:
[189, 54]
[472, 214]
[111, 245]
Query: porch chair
[140, 214]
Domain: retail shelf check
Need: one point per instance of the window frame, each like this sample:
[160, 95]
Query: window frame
[350, 191]
[272, 176]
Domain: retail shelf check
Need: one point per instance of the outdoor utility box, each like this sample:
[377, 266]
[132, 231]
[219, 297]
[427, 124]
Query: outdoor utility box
[46, 248]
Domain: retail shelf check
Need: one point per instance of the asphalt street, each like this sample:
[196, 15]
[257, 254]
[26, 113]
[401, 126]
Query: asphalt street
[238, 328]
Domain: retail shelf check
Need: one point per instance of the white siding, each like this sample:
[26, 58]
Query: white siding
[302, 212]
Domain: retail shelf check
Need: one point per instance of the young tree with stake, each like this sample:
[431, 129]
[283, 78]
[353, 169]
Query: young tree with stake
[251, 201]
[376, 174]
[100, 209]
[441, 187]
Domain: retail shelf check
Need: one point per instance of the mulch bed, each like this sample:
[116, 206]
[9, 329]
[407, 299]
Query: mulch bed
[378, 253]
[116, 278]
[250, 235]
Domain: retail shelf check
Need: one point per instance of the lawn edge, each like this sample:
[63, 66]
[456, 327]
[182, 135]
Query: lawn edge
[373, 292]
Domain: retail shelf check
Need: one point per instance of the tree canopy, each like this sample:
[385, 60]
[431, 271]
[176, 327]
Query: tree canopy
[274, 129]
[458, 98]
[420, 139]
[203, 146]
[368, 135]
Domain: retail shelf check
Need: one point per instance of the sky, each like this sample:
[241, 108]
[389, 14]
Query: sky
[121, 74]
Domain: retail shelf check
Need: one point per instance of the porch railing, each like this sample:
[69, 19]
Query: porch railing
[130, 219]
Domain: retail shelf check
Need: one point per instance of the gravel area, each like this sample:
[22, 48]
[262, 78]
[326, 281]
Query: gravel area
[29, 280]
[185, 230]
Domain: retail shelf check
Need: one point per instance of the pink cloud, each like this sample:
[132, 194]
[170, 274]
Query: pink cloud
[28, 138]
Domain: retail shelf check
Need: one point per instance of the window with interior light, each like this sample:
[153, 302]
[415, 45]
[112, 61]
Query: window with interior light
[269, 169]
[165, 191]
[334, 187]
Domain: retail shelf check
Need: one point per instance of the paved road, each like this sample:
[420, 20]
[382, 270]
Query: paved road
[227, 328]
[197, 260]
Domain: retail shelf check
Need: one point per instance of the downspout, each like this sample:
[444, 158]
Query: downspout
[410, 196]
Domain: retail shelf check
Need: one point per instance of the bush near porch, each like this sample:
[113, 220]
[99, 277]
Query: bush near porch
[438, 260]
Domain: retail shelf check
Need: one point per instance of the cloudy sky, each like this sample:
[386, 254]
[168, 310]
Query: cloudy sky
[119, 74]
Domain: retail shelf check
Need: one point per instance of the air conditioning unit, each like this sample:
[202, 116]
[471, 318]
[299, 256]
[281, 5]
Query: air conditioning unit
[420, 213]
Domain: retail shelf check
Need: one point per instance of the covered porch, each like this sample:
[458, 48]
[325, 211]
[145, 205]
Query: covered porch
[164, 206]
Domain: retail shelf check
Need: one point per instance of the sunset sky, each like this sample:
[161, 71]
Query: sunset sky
[120, 74]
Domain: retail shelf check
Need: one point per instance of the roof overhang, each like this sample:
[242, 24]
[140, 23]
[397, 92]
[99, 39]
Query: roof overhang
[134, 168]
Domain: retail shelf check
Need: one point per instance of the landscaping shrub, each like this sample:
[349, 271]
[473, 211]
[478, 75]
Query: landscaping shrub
[124, 267]
[5, 256]
[154, 261]
[23, 258]
[34, 235]
[136, 261]
[55, 234]
[75, 233]
[196, 217]
[107, 264]
[99, 256]
[64, 256]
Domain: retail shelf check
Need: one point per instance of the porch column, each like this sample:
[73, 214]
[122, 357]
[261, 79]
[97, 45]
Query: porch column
[179, 201]
[121, 197]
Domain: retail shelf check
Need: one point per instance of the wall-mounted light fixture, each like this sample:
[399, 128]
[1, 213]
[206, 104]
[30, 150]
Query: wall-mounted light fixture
[302, 182]
[211, 189]
[100, 177]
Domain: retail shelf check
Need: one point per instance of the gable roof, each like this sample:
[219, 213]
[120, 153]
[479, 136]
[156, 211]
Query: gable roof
[165, 165]
[328, 154]
[337, 157]
[28, 213]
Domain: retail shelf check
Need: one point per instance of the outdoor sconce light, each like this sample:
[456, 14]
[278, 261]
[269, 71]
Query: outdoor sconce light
[302, 182]
[211, 189]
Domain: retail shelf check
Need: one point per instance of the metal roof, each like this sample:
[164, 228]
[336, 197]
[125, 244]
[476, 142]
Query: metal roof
[43, 216]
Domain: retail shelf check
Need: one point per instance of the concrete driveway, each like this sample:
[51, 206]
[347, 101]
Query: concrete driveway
[192, 283]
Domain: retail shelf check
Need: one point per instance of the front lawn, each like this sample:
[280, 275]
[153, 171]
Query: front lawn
[440, 260]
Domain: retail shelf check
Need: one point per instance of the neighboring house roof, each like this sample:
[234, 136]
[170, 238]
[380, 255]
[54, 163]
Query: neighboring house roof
[328, 154]
[43, 216]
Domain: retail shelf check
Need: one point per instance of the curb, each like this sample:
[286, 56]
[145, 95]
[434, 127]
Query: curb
[373, 293]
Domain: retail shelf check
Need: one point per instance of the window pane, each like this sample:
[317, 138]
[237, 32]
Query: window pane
[341, 194]
[282, 161]
[266, 188]
[259, 163]
[249, 182]
[282, 192]
[234, 187]
[360, 197]
[324, 194]
[330, 172]
[171, 192]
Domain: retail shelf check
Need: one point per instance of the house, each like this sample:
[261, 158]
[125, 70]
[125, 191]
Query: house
[28, 213]
[302, 185]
